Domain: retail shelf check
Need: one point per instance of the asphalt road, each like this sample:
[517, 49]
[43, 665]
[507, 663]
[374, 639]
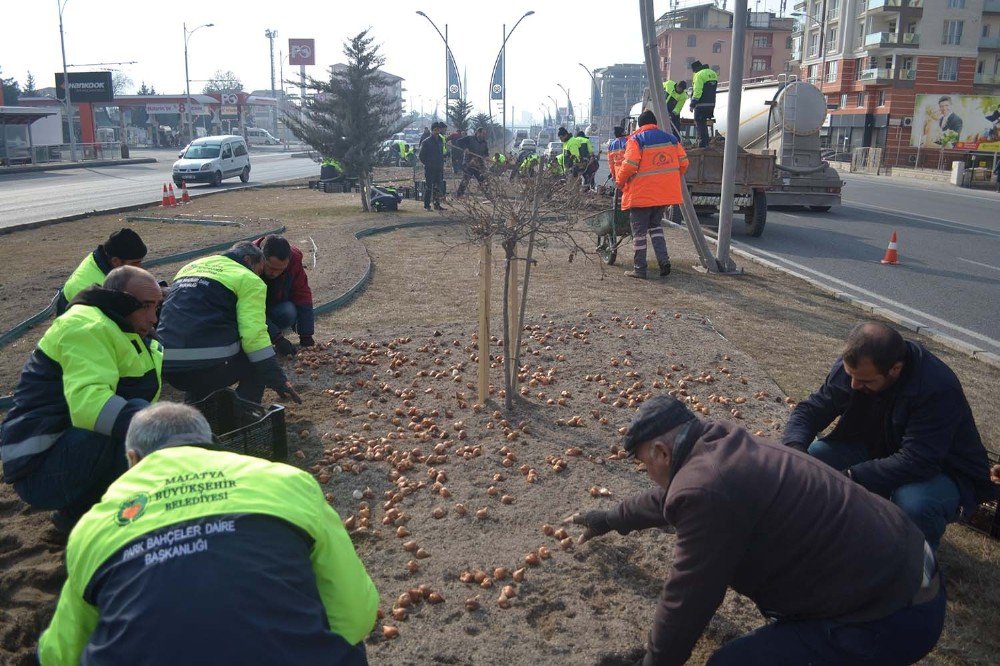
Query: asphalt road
[949, 249]
[33, 197]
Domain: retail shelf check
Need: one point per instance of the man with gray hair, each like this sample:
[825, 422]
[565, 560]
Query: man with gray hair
[238, 558]
[214, 329]
[95, 367]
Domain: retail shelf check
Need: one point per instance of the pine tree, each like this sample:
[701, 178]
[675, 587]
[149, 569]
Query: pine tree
[350, 115]
[29, 85]
[459, 113]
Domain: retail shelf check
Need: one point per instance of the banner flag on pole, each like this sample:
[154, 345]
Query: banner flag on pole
[454, 81]
[496, 87]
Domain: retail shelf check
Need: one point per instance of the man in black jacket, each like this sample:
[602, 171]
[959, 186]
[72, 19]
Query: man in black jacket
[431, 155]
[905, 431]
[476, 152]
[843, 574]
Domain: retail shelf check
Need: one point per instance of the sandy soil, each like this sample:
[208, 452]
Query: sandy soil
[591, 604]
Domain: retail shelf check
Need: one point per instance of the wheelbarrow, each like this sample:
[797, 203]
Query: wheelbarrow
[612, 227]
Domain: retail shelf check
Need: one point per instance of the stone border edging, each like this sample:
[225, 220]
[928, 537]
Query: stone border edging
[34, 168]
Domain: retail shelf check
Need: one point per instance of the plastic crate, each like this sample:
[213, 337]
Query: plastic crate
[245, 427]
[987, 518]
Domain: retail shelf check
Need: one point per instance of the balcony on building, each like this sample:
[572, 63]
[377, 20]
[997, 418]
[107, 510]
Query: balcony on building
[892, 40]
[883, 76]
[991, 6]
[894, 5]
[987, 79]
[991, 43]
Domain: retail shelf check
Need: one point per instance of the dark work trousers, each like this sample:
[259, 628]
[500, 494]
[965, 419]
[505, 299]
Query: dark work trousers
[467, 174]
[647, 221]
[281, 317]
[675, 120]
[434, 186]
[901, 638]
[74, 473]
[199, 382]
[701, 116]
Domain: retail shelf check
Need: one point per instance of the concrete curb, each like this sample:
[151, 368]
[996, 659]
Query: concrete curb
[934, 334]
[33, 168]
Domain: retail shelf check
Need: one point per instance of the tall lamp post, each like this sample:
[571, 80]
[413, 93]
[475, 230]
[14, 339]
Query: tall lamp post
[449, 57]
[187, 77]
[555, 109]
[596, 103]
[66, 96]
[271, 35]
[569, 104]
[503, 54]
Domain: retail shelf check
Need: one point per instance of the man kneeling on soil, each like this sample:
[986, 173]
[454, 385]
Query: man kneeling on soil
[845, 576]
[203, 556]
[91, 372]
[905, 431]
[289, 298]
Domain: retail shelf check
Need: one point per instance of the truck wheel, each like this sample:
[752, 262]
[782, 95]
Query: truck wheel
[756, 215]
[821, 209]
[606, 251]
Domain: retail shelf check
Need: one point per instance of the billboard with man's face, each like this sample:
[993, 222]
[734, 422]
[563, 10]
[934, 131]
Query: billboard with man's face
[956, 122]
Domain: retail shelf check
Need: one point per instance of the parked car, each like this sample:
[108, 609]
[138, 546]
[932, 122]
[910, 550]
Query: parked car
[212, 160]
[528, 144]
[553, 149]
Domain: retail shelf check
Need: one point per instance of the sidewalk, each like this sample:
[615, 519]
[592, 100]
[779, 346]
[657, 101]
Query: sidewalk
[61, 166]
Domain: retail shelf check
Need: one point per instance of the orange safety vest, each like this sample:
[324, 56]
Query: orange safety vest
[650, 173]
[616, 153]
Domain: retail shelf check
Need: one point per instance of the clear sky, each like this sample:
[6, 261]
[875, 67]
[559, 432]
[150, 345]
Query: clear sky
[543, 52]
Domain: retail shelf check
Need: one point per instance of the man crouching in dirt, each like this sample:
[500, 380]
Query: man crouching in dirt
[845, 576]
[202, 556]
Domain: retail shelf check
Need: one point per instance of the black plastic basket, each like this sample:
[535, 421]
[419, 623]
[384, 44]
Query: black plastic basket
[245, 427]
[987, 517]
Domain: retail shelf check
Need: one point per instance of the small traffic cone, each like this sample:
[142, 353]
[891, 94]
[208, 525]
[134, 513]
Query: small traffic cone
[891, 254]
[166, 197]
[173, 199]
[184, 193]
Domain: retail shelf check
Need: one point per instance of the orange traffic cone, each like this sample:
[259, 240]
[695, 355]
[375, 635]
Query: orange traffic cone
[184, 193]
[891, 254]
[173, 199]
[166, 197]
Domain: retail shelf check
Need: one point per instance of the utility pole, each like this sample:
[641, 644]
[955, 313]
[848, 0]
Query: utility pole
[271, 34]
[69, 104]
[731, 148]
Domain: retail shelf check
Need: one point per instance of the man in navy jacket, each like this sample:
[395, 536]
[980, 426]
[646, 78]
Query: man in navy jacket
[905, 429]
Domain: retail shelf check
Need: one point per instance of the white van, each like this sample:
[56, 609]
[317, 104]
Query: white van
[261, 137]
[213, 159]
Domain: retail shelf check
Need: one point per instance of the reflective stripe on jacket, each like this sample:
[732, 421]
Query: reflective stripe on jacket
[89, 371]
[616, 153]
[174, 549]
[92, 270]
[650, 173]
[675, 100]
[215, 309]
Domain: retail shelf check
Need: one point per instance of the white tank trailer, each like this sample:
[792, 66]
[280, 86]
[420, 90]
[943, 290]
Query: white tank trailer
[784, 116]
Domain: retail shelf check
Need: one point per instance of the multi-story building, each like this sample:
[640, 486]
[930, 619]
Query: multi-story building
[613, 91]
[909, 76]
[704, 32]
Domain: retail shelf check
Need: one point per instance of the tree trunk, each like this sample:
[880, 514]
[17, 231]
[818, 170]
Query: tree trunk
[508, 400]
[363, 187]
[524, 300]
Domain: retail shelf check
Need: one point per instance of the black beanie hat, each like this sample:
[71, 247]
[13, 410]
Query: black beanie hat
[647, 117]
[656, 416]
[696, 65]
[125, 244]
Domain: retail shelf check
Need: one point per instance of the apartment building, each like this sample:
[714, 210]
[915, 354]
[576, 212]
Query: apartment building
[704, 32]
[614, 90]
[919, 78]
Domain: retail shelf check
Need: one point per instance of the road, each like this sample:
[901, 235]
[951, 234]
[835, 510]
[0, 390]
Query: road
[949, 248]
[33, 197]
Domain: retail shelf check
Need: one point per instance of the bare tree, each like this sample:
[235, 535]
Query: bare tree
[121, 83]
[521, 214]
[222, 81]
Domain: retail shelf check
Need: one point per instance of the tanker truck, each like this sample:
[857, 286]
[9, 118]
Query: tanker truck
[783, 116]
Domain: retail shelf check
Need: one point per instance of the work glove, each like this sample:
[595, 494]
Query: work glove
[287, 392]
[595, 522]
[306, 341]
[284, 346]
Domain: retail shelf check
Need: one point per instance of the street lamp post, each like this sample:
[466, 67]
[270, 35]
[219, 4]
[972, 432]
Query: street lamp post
[66, 95]
[271, 34]
[449, 57]
[503, 54]
[569, 103]
[187, 77]
[595, 95]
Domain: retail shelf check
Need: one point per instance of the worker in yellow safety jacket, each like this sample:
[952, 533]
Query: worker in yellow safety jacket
[123, 248]
[703, 88]
[214, 329]
[650, 179]
[92, 371]
[204, 556]
[676, 97]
